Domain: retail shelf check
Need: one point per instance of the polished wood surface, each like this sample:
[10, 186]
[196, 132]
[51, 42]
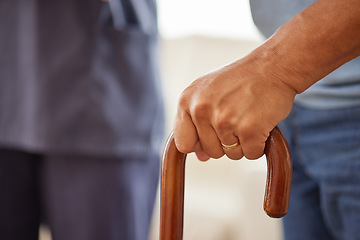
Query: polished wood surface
[279, 172]
[277, 192]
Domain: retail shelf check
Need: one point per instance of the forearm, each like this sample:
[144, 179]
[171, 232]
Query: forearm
[243, 101]
[312, 44]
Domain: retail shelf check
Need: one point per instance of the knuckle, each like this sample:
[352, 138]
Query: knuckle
[184, 148]
[201, 110]
[247, 128]
[183, 101]
[223, 122]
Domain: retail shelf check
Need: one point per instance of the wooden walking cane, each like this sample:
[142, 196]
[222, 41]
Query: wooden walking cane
[277, 192]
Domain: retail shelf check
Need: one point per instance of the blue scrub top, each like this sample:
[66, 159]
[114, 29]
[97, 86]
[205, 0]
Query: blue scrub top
[80, 77]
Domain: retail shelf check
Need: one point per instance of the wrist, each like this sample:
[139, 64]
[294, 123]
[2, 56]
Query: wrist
[312, 44]
[273, 64]
[281, 61]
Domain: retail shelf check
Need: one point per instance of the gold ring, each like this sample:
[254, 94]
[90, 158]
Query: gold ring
[229, 147]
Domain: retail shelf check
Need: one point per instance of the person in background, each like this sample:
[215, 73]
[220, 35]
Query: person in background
[81, 118]
[307, 75]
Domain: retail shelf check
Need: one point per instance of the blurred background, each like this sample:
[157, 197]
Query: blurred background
[223, 198]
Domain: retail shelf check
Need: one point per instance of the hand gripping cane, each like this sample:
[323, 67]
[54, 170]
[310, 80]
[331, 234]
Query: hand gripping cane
[277, 192]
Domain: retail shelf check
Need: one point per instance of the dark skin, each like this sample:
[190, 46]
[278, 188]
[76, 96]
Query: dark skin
[243, 101]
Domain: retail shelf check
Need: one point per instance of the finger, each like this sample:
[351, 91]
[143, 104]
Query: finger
[224, 126]
[253, 150]
[209, 141]
[185, 134]
[253, 145]
[202, 156]
[231, 146]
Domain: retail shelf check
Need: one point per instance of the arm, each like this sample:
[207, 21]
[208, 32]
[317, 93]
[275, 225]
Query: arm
[243, 101]
[314, 43]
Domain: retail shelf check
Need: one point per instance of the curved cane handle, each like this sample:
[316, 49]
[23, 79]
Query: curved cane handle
[277, 192]
[279, 172]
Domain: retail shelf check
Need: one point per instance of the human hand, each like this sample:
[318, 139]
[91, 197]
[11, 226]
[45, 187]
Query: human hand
[242, 102]
[238, 103]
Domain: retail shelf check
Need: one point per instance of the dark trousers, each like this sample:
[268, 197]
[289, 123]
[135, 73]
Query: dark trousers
[79, 198]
